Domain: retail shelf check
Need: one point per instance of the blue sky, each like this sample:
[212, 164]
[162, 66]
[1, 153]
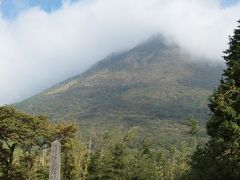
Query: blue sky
[10, 8]
[226, 3]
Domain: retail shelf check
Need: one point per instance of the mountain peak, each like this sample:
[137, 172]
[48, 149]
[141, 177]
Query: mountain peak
[154, 80]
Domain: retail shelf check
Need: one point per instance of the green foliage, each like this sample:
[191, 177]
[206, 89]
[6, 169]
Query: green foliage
[22, 139]
[193, 125]
[75, 157]
[116, 154]
[121, 156]
[19, 131]
[220, 158]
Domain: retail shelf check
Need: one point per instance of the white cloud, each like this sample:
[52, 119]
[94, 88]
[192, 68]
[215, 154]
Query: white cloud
[39, 49]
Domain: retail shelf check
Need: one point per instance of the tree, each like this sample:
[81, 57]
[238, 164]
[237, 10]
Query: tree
[193, 130]
[22, 138]
[193, 125]
[75, 158]
[220, 158]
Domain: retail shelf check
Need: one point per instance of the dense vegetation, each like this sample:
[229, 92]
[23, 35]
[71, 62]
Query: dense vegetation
[116, 154]
[220, 158]
[22, 138]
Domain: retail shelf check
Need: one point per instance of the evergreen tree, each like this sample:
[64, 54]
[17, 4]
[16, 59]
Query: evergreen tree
[220, 158]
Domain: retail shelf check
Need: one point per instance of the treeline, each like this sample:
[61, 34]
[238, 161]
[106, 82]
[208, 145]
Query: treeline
[117, 154]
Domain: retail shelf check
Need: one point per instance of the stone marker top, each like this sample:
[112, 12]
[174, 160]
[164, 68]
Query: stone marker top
[54, 172]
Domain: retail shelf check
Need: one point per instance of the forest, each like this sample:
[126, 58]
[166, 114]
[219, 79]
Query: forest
[118, 154]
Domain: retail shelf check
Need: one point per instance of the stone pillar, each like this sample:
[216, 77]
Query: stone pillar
[55, 164]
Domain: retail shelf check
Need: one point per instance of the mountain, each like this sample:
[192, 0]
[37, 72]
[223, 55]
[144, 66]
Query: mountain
[154, 81]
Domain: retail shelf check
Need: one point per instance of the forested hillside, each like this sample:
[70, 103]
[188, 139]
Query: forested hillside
[155, 80]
